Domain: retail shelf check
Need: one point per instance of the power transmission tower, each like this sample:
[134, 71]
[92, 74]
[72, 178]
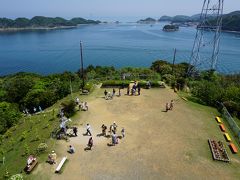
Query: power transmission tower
[206, 44]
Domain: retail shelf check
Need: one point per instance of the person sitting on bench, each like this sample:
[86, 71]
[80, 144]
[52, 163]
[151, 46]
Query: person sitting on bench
[52, 158]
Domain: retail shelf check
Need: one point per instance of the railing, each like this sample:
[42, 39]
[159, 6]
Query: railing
[233, 125]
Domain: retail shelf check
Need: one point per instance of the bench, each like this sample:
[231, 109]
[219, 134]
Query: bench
[31, 166]
[233, 148]
[218, 119]
[222, 127]
[60, 164]
[227, 137]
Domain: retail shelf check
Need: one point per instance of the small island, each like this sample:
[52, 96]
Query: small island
[170, 28]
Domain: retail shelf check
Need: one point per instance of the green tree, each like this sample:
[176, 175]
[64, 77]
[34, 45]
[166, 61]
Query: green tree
[9, 115]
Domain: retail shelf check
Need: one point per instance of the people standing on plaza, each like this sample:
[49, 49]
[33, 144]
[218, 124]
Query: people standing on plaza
[139, 89]
[77, 101]
[114, 91]
[105, 93]
[75, 130]
[128, 90]
[104, 128]
[114, 139]
[171, 105]
[114, 126]
[123, 132]
[88, 130]
[167, 107]
[119, 92]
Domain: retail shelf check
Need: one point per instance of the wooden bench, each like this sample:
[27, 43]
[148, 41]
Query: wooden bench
[31, 166]
[222, 127]
[60, 164]
[218, 119]
[227, 137]
[233, 148]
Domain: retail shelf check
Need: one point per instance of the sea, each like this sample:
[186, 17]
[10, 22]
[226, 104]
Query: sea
[113, 44]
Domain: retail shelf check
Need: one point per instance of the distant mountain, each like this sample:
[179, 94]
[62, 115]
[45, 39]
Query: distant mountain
[43, 22]
[181, 18]
[231, 21]
[147, 20]
[165, 18]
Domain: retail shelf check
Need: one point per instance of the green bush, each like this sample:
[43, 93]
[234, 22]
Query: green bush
[42, 147]
[68, 108]
[89, 86]
[23, 135]
[16, 177]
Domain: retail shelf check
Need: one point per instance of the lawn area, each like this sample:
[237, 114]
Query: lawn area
[24, 138]
[170, 145]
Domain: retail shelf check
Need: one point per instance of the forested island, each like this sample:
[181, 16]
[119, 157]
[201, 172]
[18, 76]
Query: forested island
[170, 27]
[231, 21]
[41, 22]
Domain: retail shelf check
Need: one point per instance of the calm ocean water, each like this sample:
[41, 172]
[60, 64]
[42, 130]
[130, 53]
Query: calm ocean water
[118, 45]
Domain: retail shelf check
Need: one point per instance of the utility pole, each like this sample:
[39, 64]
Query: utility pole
[71, 88]
[82, 73]
[173, 63]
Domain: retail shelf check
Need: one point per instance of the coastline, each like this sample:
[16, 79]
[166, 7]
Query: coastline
[36, 28]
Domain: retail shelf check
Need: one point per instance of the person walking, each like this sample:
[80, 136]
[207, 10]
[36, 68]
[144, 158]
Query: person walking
[123, 132]
[88, 130]
[90, 143]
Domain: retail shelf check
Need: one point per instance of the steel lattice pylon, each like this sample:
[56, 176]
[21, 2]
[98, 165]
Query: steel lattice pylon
[206, 44]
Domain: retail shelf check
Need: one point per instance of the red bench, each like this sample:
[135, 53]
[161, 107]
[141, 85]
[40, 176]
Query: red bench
[222, 127]
[233, 148]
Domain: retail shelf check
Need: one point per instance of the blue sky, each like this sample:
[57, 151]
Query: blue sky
[105, 9]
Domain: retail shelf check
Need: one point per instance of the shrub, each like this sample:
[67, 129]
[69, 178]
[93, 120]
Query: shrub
[89, 86]
[26, 149]
[8, 134]
[23, 135]
[168, 78]
[16, 177]
[68, 108]
[42, 147]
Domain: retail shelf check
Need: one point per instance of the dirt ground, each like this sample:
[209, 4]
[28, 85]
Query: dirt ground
[158, 145]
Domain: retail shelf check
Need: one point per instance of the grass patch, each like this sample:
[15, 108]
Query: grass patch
[24, 138]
